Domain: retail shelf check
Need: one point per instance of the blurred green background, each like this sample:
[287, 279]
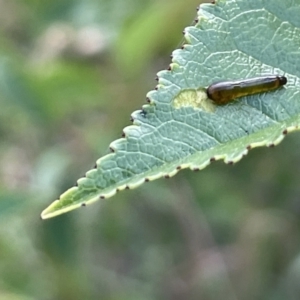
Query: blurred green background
[71, 73]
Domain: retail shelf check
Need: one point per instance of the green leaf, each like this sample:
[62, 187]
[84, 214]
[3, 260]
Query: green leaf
[181, 128]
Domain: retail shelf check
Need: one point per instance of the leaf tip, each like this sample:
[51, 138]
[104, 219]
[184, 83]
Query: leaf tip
[50, 211]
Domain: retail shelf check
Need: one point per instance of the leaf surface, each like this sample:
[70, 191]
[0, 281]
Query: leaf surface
[180, 127]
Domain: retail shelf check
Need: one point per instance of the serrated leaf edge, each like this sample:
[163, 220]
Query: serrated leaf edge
[51, 211]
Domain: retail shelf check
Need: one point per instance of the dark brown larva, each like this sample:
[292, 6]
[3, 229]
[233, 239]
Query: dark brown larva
[226, 91]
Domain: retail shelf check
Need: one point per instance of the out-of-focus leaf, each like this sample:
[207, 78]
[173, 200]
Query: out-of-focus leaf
[150, 29]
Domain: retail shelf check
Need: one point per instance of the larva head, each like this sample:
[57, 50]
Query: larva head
[282, 80]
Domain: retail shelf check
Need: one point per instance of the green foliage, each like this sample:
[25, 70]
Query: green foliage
[227, 232]
[181, 128]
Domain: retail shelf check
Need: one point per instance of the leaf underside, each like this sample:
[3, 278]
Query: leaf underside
[180, 128]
